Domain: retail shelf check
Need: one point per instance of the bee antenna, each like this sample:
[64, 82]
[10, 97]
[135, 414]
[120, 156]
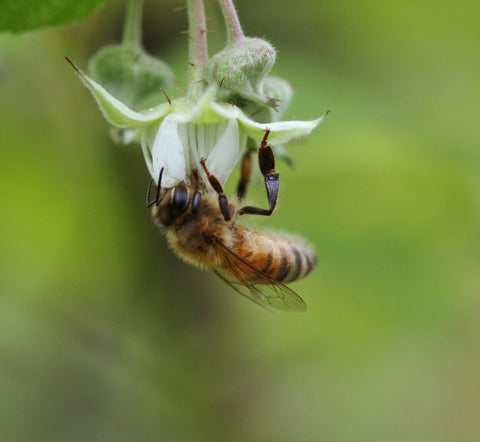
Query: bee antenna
[157, 198]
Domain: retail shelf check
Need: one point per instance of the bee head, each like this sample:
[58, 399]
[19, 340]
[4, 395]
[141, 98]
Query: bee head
[172, 203]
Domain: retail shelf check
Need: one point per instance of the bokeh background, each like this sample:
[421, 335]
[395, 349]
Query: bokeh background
[106, 336]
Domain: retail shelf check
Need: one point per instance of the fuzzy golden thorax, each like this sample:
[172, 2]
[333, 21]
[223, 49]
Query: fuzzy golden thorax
[191, 233]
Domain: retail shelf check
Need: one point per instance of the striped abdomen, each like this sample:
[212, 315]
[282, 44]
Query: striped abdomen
[281, 257]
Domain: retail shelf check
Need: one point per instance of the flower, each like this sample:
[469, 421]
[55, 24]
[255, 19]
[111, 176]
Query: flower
[176, 135]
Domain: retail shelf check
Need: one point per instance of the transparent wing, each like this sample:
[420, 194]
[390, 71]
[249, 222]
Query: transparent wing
[269, 294]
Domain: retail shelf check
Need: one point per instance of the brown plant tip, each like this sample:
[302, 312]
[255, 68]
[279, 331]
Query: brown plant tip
[74, 66]
[273, 102]
[257, 112]
[224, 78]
[166, 96]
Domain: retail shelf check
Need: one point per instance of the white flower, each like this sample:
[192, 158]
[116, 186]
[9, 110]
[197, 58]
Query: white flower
[175, 136]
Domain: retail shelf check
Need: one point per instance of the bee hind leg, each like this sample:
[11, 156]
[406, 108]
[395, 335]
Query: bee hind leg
[266, 161]
[245, 172]
[217, 186]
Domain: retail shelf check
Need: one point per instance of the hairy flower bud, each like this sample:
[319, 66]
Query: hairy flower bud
[279, 94]
[241, 68]
[278, 90]
[131, 75]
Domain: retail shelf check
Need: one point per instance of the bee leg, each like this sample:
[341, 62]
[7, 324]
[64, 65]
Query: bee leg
[157, 198]
[149, 203]
[266, 160]
[217, 186]
[246, 171]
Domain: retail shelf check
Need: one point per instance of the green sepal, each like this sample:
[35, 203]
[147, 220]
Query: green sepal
[131, 75]
[117, 113]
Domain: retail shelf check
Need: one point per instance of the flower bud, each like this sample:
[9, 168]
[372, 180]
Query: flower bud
[242, 67]
[278, 94]
[279, 91]
[131, 75]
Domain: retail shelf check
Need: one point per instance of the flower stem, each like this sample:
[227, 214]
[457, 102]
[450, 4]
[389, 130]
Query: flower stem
[197, 28]
[132, 26]
[234, 28]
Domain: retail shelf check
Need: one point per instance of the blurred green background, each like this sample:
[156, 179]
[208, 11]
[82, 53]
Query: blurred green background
[106, 336]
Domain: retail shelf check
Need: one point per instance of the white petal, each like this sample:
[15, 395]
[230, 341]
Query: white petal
[168, 152]
[227, 151]
[201, 140]
[146, 143]
[184, 135]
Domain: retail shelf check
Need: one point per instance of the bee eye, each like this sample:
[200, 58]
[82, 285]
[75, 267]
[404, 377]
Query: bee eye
[179, 200]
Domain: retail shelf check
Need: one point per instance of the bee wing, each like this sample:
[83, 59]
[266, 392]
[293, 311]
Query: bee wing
[271, 294]
[240, 288]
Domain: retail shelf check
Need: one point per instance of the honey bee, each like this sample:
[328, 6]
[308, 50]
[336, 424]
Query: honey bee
[201, 227]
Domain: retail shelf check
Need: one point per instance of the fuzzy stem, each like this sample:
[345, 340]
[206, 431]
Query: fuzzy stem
[132, 26]
[234, 28]
[197, 28]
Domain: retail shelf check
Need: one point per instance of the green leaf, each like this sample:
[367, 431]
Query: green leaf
[24, 15]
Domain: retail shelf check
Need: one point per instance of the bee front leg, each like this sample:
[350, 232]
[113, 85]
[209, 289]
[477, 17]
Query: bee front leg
[217, 186]
[266, 160]
[157, 198]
